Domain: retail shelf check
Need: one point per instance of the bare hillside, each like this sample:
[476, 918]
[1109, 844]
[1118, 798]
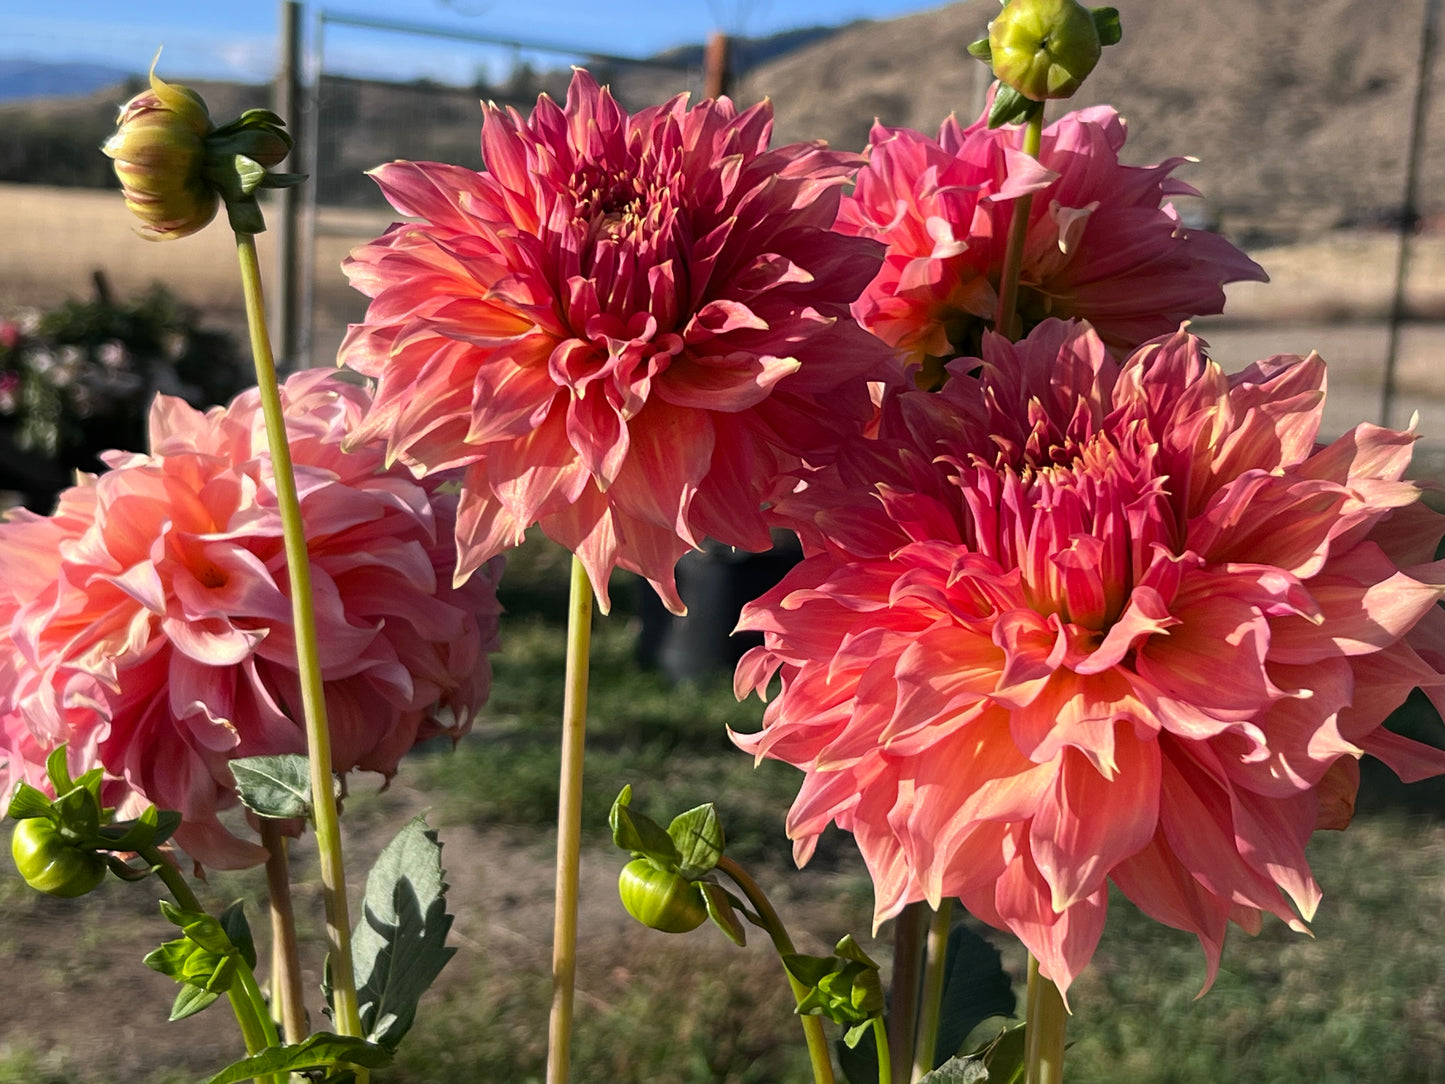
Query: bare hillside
[1299, 110]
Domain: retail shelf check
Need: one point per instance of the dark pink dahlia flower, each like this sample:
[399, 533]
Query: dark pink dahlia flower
[1103, 244]
[1075, 622]
[625, 328]
[148, 621]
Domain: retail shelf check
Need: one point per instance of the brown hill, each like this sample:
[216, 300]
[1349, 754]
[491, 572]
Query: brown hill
[1299, 110]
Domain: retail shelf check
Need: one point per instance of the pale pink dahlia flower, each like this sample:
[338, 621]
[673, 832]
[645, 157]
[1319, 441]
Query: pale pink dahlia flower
[148, 621]
[625, 327]
[1074, 622]
[1103, 243]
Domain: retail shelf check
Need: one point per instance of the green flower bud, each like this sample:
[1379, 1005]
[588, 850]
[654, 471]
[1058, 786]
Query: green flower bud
[176, 167]
[661, 899]
[1044, 48]
[159, 148]
[51, 864]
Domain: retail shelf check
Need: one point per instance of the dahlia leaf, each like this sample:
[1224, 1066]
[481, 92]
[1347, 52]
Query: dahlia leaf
[698, 836]
[399, 946]
[319, 1051]
[640, 834]
[152, 828]
[274, 786]
[958, 1071]
[720, 909]
[191, 1000]
[975, 987]
[238, 931]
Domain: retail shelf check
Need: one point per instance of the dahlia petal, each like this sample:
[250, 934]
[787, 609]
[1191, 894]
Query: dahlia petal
[1086, 824]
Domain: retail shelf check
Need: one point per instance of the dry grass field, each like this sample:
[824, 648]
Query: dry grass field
[1328, 295]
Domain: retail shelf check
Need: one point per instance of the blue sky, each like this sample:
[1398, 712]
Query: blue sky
[236, 39]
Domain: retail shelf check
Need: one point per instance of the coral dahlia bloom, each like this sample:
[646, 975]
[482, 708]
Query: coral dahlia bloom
[1075, 622]
[1103, 244]
[148, 621]
[625, 327]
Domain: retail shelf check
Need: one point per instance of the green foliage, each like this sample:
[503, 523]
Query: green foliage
[79, 379]
[845, 987]
[399, 946]
[274, 786]
[204, 958]
[320, 1051]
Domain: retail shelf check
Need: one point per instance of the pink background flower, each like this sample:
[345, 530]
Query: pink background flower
[148, 622]
[625, 328]
[1075, 622]
[1103, 242]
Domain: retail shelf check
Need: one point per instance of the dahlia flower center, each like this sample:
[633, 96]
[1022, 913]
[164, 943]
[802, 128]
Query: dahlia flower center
[610, 204]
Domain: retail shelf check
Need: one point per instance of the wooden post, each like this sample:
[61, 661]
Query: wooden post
[715, 66]
[287, 94]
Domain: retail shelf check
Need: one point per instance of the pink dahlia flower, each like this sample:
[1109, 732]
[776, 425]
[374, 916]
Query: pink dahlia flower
[1102, 244]
[1075, 622]
[625, 328]
[148, 621]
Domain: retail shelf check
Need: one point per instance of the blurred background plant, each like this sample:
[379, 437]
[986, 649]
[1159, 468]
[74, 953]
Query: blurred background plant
[77, 379]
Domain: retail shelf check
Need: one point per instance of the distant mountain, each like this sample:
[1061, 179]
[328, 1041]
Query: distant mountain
[21, 79]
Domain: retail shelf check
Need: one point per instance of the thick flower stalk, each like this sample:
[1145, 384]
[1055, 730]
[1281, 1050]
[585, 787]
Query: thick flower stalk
[148, 622]
[1104, 243]
[1073, 622]
[624, 328]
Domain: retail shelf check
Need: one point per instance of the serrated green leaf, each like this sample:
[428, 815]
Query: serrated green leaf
[957, 1071]
[238, 932]
[399, 946]
[274, 786]
[191, 1000]
[975, 987]
[640, 834]
[319, 1051]
[28, 802]
[698, 837]
[720, 909]
[1107, 25]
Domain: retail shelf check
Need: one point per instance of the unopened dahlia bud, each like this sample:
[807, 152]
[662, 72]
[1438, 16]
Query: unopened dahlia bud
[1046, 48]
[176, 167]
[159, 148]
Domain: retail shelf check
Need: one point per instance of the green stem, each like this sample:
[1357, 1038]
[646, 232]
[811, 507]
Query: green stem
[1008, 287]
[880, 1042]
[1044, 1030]
[347, 1015]
[288, 1001]
[818, 1055]
[257, 1030]
[931, 1001]
[909, 942]
[569, 825]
